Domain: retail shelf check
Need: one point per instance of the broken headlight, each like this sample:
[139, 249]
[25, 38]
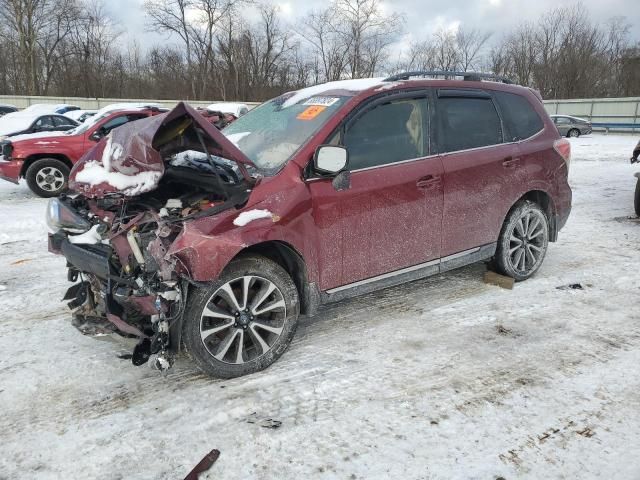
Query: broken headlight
[62, 217]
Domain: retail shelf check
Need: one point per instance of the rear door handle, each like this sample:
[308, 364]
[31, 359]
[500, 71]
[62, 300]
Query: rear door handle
[428, 182]
[510, 162]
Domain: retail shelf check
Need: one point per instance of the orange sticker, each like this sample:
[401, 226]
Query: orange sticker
[311, 112]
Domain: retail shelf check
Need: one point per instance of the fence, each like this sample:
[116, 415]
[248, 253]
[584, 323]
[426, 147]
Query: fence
[94, 103]
[609, 114]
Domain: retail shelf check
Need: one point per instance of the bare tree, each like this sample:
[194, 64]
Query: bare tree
[470, 43]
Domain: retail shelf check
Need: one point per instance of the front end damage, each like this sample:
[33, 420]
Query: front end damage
[124, 235]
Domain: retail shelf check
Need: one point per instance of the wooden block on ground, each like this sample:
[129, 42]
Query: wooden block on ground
[493, 278]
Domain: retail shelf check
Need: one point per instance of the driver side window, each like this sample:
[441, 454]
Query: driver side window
[388, 133]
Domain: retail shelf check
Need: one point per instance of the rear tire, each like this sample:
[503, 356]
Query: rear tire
[636, 199]
[574, 133]
[523, 241]
[47, 177]
[230, 337]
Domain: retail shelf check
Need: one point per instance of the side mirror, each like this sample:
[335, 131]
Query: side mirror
[330, 159]
[95, 136]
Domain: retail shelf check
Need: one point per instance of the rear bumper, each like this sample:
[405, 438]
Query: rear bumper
[10, 170]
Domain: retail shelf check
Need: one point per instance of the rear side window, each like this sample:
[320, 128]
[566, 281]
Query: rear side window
[388, 133]
[61, 121]
[521, 120]
[467, 122]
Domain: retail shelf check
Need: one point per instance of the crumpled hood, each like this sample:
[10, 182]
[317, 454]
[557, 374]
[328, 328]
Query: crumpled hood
[129, 160]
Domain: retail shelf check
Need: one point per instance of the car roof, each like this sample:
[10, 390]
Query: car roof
[369, 86]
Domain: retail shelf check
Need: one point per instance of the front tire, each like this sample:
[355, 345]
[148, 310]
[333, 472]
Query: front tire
[573, 133]
[244, 321]
[47, 177]
[523, 241]
[636, 198]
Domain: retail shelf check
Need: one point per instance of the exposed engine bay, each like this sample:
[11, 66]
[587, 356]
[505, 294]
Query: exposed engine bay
[118, 246]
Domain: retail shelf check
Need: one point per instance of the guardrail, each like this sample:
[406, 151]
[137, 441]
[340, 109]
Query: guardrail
[605, 114]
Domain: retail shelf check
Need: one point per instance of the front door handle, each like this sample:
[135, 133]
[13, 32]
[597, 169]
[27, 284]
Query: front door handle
[510, 162]
[428, 182]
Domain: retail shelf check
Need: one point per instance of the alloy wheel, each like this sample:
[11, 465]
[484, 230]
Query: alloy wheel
[50, 179]
[527, 242]
[243, 319]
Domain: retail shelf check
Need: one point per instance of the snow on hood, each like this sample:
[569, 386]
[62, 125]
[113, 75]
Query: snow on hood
[128, 160]
[45, 136]
[356, 85]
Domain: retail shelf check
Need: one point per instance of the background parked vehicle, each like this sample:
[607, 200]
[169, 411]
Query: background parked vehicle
[21, 123]
[4, 109]
[217, 119]
[50, 108]
[634, 159]
[569, 126]
[234, 108]
[45, 160]
[80, 115]
[313, 197]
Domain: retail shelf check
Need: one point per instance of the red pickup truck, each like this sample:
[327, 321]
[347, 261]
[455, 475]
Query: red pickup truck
[45, 159]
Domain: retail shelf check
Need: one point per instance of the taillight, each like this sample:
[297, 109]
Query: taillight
[563, 147]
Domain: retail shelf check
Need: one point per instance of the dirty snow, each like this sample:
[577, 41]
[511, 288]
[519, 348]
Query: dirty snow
[444, 378]
[94, 173]
[350, 85]
[251, 215]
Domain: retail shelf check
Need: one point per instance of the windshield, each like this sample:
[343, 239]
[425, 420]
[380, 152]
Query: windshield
[270, 134]
[87, 124]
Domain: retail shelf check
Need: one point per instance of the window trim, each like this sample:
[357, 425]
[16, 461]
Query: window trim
[372, 102]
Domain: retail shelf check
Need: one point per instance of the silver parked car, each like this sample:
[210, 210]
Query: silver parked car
[569, 126]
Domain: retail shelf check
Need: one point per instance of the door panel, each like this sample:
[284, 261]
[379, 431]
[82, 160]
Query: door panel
[392, 218]
[479, 188]
[481, 173]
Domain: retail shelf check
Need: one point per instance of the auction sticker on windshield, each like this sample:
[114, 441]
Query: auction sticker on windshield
[311, 112]
[321, 101]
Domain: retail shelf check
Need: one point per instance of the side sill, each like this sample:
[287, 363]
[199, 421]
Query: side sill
[409, 274]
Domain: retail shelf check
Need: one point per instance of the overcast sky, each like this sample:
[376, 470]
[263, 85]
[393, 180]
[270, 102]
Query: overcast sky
[422, 16]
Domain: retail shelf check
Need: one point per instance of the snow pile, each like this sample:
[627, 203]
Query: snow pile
[251, 215]
[350, 85]
[90, 237]
[94, 173]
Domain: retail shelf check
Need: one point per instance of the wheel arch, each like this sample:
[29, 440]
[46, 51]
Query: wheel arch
[544, 200]
[288, 257]
[39, 156]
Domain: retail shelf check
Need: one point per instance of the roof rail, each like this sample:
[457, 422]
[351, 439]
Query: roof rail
[448, 75]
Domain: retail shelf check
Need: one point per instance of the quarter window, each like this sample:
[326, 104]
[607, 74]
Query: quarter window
[388, 133]
[520, 118]
[468, 122]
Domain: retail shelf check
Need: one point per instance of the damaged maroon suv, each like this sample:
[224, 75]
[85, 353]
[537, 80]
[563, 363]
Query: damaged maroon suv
[182, 237]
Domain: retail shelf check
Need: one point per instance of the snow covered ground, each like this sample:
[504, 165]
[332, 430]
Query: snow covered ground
[439, 379]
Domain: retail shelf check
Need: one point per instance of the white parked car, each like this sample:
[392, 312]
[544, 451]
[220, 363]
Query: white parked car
[80, 115]
[235, 109]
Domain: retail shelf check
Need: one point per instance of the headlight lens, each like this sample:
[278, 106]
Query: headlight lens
[62, 217]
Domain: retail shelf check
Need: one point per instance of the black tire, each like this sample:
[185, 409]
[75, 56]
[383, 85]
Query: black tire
[260, 269]
[508, 249]
[47, 168]
[636, 198]
[574, 132]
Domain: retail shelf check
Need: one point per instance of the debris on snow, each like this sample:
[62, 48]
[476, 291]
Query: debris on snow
[263, 422]
[204, 465]
[572, 286]
[246, 217]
